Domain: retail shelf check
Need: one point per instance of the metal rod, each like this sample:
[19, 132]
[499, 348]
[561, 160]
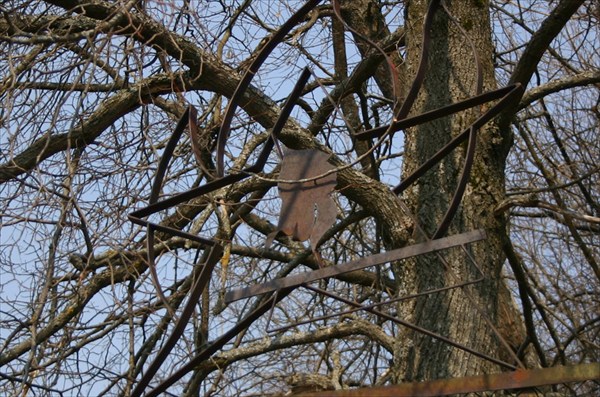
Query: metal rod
[515, 92]
[518, 379]
[377, 304]
[237, 96]
[377, 259]
[434, 114]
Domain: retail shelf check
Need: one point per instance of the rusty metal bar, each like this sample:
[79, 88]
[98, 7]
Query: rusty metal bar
[472, 384]
[515, 92]
[422, 68]
[377, 259]
[284, 116]
[435, 114]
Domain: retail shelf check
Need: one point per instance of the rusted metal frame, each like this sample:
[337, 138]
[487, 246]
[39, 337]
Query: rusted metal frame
[411, 326]
[138, 215]
[211, 260]
[409, 101]
[470, 132]
[519, 379]
[377, 259]
[468, 163]
[479, 279]
[249, 75]
[211, 186]
[215, 346]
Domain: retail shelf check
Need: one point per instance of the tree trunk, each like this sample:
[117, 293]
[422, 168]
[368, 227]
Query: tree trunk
[451, 77]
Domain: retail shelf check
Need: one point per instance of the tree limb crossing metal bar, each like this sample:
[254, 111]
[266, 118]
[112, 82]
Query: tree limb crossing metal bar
[373, 260]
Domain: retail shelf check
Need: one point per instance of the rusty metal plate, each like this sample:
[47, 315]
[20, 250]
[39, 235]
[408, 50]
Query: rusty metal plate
[307, 210]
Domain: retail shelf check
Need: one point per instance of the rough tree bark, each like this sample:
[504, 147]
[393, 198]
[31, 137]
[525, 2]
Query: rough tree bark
[451, 77]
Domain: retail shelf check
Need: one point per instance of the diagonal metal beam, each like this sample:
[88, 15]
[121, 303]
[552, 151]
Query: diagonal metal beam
[435, 114]
[378, 259]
